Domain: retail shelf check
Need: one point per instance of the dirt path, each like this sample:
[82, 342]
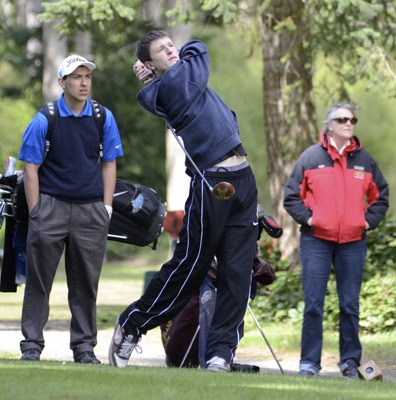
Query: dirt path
[57, 338]
[56, 348]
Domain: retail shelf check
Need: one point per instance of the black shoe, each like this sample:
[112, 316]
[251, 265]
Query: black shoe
[244, 368]
[87, 357]
[31, 355]
[351, 371]
[306, 372]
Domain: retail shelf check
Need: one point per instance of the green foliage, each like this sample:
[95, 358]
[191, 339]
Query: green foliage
[381, 249]
[283, 299]
[74, 15]
[221, 8]
[377, 304]
[15, 115]
[20, 69]
[358, 33]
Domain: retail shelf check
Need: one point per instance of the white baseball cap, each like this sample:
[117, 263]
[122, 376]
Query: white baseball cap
[69, 64]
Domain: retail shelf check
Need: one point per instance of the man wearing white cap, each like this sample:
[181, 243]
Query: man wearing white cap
[69, 193]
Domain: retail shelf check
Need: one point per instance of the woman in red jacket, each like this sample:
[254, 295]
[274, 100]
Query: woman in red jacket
[335, 192]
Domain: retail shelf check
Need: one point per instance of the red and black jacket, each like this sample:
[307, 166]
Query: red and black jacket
[341, 193]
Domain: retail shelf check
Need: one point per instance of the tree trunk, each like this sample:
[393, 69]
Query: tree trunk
[52, 45]
[290, 118]
[26, 12]
[54, 51]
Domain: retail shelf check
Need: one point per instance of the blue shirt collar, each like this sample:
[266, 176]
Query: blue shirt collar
[64, 110]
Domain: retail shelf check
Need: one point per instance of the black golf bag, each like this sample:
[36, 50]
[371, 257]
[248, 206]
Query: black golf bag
[12, 202]
[138, 215]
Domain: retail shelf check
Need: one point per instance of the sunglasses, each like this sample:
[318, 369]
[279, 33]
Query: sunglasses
[344, 120]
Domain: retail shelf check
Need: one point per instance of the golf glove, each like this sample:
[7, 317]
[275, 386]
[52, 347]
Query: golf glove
[109, 210]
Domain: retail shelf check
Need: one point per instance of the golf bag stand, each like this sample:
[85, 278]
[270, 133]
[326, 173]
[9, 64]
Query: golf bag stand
[265, 338]
[190, 346]
[259, 328]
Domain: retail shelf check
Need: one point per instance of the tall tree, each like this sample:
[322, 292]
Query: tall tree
[290, 118]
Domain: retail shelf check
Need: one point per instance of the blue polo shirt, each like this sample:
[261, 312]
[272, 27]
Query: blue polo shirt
[33, 140]
[71, 169]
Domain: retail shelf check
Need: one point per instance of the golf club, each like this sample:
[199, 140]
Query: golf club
[189, 347]
[222, 190]
[266, 340]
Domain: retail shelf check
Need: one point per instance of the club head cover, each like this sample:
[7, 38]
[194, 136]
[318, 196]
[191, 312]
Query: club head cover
[268, 223]
[10, 181]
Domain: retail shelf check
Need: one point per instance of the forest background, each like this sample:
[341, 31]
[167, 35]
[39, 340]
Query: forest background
[310, 54]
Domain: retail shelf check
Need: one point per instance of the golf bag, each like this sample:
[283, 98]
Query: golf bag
[138, 215]
[13, 259]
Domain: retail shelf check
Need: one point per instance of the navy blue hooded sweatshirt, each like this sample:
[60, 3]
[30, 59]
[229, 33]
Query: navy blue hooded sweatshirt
[209, 129]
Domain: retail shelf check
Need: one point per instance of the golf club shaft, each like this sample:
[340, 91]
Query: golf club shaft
[189, 347]
[188, 155]
[266, 341]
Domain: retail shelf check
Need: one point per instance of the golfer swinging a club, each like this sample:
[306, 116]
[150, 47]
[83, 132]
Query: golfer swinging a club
[176, 90]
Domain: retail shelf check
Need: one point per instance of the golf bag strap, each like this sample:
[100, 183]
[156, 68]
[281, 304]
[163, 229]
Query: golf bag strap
[99, 118]
[51, 112]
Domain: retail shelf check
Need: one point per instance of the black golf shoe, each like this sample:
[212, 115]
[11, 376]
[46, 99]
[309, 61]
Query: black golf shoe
[87, 357]
[351, 371]
[31, 355]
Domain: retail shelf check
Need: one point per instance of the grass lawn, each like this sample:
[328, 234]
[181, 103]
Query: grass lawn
[121, 283]
[51, 380]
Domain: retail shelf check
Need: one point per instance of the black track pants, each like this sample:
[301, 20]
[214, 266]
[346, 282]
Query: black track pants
[226, 229]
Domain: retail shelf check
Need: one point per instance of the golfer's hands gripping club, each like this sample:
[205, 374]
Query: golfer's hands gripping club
[144, 74]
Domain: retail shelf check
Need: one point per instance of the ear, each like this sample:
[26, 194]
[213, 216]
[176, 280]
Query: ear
[149, 65]
[61, 83]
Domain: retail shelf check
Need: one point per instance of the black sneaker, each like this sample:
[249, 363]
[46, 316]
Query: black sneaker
[87, 357]
[31, 355]
[351, 371]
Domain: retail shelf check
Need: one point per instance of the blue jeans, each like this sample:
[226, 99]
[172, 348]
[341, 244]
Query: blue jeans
[207, 302]
[348, 259]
